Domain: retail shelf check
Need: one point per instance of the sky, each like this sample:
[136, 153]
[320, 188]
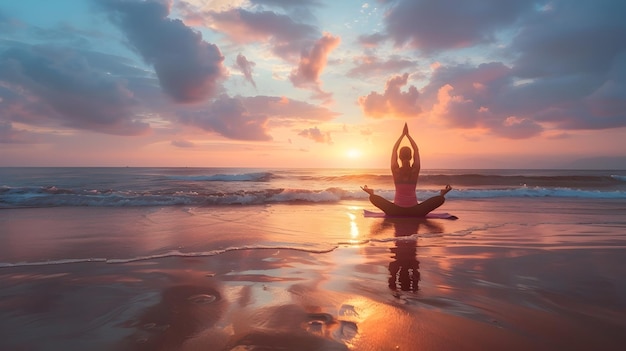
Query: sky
[312, 83]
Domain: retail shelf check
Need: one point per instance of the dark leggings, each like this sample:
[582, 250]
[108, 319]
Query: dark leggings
[418, 210]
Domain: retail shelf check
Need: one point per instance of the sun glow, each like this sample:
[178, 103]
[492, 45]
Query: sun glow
[353, 153]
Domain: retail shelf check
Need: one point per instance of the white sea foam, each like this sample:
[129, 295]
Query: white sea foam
[318, 249]
[215, 187]
[621, 178]
[27, 197]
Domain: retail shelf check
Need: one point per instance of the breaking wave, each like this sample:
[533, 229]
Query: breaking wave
[11, 197]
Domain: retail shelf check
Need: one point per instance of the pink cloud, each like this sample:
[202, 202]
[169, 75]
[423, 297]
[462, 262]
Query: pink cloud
[393, 102]
[286, 37]
[183, 143]
[312, 63]
[468, 100]
[316, 135]
[284, 110]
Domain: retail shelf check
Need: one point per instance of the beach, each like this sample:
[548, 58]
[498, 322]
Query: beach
[521, 274]
[249, 259]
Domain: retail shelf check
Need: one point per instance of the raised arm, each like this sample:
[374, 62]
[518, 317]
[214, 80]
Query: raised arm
[394, 153]
[415, 168]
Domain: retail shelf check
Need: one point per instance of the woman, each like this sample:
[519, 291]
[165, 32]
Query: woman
[405, 180]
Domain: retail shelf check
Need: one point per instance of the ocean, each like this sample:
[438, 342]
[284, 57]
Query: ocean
[130, 187]
[284, 259]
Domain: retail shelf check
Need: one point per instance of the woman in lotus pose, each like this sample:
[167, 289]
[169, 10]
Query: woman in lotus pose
[405, 179]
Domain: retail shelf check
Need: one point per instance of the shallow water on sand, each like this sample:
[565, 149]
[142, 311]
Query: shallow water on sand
[522, 274]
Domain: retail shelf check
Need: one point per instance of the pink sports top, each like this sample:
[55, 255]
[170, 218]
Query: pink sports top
[405, 195]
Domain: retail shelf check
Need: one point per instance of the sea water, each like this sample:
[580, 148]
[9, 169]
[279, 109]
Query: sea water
[65, 215]
[98, 257]
[130, 187]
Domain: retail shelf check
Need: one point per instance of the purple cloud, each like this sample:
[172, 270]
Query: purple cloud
[433, 25]
[248, 118]
[371, 40]
[371, 66]
[473, 97]
[286, 36]
[299, 9]
[573, 57]
[245, 67]
[229, 117]
[188, 67]
[44, 86]
[568, 72]
[10, 135]
[288, 4]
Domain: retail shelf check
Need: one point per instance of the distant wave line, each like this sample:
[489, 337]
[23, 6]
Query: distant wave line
[29, 197]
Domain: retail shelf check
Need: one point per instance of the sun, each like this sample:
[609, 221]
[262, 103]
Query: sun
[353, 153]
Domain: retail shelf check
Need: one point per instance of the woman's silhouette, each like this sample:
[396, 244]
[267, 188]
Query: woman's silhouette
[405, 180]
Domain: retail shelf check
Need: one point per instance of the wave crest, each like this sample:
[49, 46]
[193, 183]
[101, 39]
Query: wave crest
[45, 197]
[238, 177]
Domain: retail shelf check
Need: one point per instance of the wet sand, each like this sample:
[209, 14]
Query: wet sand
[518, 275]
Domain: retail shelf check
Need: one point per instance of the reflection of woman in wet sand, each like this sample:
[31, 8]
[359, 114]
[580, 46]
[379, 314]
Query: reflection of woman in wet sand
[405, 180]
[404, 271]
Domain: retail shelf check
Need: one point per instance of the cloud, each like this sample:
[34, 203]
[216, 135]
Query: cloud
[188, 67]
[317, 135]
[568, 74]
[298, 9]
[183, 143]
[516, 128]
[249, 118]
[573, 58]
[472, 97]
[393, 102]
[285, 111]
[44, 86]
[245, 67]
[288, 4]
[312, 63]
[473, 87]
[434, 25]
[229, 117]
[367, 66]
[10, 135]
[371, 40]
[570, 39]
[286, 37]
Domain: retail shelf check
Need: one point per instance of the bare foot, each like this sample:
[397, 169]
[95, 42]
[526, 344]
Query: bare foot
[367, 190]
[445, 190]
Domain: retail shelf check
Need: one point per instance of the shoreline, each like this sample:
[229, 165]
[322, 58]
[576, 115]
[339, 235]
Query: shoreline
[288, 299]
[525, 274]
